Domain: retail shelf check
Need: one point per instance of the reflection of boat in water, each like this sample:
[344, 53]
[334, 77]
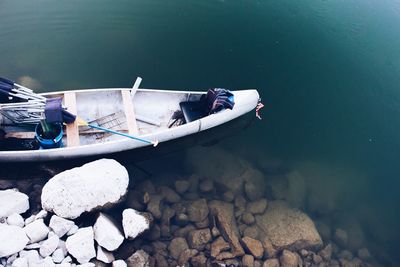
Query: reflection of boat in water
[146, 115]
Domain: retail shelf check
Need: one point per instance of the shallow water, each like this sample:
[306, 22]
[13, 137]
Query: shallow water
[328, 72]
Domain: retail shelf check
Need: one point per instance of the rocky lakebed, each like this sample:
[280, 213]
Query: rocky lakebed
[99, 214]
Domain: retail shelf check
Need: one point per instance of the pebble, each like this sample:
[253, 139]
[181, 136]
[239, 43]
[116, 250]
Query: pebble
[119, 263]
[58, 255]
[12, 201]
[197, 239]
[81, 245]
[106, 233]
[15, 219]
[206, 186]
[198, 210]
[49, 246]
[134, 223]
[36, 231]
[257, 207]
[177, 246]
[181, 186]
[253, 246]
[169, 195]
[60, 226]
[104, 256]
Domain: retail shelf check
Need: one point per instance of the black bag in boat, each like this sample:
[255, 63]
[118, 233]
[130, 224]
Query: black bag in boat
[216, 99]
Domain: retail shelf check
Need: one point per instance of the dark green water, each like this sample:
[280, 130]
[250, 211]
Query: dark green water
[328, 72]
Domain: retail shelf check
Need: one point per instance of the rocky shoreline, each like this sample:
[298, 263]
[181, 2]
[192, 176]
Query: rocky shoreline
[96, 215]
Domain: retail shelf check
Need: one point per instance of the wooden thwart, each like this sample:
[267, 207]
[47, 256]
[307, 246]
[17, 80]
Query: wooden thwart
[72, 129]
[129, 112]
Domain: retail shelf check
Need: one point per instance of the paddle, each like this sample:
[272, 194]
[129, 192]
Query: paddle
[85, 123]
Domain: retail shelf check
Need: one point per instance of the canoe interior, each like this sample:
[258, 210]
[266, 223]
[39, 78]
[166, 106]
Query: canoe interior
[152, 112]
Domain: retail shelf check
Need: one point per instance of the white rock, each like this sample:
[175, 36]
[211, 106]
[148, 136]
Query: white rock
[12, 258]
[36, 231]
[60, 226]
[89, 264]
[61, 245]
[119, 263]
[67, 260]
[20, 262]
[33, 246]
[73, 230]
[86, 188]
[29, 219]
[12, 201]
[58, 255]
[12, 239]
[46, 262]
[48, 246]
[16, 219]
[134, 223]
[106, 233]
[81, 245]
[65, 264]
[104, 256]
[31, 255]
[41, 215]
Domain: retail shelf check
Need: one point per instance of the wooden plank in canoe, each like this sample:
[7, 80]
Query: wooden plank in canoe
[72, 129]
[129, 112]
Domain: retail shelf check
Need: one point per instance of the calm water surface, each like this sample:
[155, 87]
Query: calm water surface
[328, 72]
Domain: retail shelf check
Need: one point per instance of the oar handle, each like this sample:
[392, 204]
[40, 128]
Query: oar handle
[155, 143]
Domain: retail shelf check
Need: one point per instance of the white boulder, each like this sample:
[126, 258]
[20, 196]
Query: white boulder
[36, 231]
[12, 201]
[16, 219]
[81, 245]
[12, 239]
[134, 223]
[106, 233]
[104, 256]
[60, 226]
[49, 246]
[84, 189]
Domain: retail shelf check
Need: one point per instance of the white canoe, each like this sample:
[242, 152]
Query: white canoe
[147, 115]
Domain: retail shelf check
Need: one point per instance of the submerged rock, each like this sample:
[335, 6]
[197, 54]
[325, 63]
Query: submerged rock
[224, 215]
[139, 259]
[177, 246]
[288, 228]
[81, 245]
[197, 210]
[253, 246]
[134, 223]
[106, 233]
[197, 239]
[289, 259]
[84, 189]
[13, 239]
[12, 201]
